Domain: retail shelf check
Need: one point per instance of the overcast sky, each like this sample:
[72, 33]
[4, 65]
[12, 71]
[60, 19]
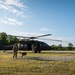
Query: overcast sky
[37, 17]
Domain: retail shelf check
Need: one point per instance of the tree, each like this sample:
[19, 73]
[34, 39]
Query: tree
[54, 47]
[3, 38]
[12, 39]
[70, 46]
[60, 47]
[9, 39]
[15, 39]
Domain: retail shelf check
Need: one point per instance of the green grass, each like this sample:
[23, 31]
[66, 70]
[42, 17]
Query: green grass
[30, 65]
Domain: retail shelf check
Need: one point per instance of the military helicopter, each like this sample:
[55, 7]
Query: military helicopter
[29, 43]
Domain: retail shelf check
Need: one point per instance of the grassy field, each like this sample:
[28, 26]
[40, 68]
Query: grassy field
[44, 63]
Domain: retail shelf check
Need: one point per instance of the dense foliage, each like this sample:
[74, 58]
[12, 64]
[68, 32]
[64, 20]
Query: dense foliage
[7, 39]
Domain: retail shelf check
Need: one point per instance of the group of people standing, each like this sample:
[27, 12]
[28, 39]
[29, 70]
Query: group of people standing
[35, 48]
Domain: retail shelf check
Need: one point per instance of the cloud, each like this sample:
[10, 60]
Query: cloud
[9, 5]
[44, 29]
[11, 21]
[12, 9]
[15, 2]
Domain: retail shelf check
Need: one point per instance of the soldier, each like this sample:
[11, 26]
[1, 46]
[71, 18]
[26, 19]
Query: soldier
[15, 49]
[34, 48]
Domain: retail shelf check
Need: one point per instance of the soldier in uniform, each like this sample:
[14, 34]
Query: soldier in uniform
[15, 49]
[34, 48]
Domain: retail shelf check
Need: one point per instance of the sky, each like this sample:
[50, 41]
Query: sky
[38, 17]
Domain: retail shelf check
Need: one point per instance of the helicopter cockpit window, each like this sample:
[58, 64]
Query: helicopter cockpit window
[21, 45]
[25, 45]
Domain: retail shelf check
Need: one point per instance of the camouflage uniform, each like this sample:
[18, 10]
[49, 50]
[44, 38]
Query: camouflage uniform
[15, 49]
[34, 48]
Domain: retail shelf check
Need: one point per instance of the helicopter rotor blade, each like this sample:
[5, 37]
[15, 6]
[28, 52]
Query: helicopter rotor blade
[51, 39]
[39, 36]
[43, 35]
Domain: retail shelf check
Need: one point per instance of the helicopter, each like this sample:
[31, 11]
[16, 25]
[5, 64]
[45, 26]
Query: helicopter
[30, 43]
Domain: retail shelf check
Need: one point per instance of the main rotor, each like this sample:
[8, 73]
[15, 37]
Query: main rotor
[32, 38]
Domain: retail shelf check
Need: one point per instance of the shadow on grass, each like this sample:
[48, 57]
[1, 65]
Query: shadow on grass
[37, 59]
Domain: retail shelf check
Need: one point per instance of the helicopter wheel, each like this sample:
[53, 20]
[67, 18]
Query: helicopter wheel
[35, 51]
[39, 51]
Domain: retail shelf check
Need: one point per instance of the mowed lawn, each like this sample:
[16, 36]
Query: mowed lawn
[44, 63]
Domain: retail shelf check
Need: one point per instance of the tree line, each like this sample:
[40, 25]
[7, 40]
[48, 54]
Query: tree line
[60, 47]
[9, 40]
